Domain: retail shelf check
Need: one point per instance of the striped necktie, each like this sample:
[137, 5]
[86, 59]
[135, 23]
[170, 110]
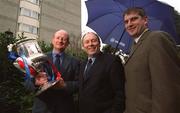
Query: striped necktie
[58, 62]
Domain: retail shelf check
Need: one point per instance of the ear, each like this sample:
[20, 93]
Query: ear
[146, 20]
[52, 40]
[146, 23]
[82, 47]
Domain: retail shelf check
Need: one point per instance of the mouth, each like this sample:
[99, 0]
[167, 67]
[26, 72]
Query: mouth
[91, 49]
[131, 29]
[60, 44]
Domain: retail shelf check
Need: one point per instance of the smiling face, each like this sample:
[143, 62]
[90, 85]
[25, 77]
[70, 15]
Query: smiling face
[60, 40]
[135, 24]
[91, 44]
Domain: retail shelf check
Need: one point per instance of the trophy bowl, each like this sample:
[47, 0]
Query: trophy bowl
[29, 49]
[30, 59]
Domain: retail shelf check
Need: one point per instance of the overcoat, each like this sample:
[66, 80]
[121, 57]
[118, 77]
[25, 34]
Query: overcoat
[103, 90]
[153, 75]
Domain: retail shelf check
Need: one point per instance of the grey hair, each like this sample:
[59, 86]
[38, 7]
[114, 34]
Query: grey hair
[98, 37]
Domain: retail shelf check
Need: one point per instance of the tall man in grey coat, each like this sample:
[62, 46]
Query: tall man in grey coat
[152, 69]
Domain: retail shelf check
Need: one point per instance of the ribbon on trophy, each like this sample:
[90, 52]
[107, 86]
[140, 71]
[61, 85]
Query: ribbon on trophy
[29, 59]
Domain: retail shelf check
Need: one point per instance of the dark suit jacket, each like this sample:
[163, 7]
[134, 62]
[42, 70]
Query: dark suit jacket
[61, 100]
[153, 75]
[103, 90]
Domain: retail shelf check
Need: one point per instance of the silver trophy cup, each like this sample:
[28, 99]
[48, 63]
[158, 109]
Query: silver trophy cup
[31, 60]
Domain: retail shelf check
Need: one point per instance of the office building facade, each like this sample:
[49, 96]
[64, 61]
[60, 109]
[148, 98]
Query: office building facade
[40, 18]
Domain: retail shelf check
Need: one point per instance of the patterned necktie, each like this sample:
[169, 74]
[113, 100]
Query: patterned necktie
[58, 62]
[88, 66]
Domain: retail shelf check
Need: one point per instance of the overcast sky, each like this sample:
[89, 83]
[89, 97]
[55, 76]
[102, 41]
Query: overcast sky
[173, 3]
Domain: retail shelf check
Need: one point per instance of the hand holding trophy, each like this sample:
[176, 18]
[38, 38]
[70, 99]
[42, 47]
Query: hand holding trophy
[42, 80]
[29, 58]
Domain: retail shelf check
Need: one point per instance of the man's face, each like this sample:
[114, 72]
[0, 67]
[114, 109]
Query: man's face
[91, 44]
[135, 24]
[60, 41]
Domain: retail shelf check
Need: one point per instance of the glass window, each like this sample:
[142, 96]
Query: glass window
[25, 12]
[34, 14]
[29, 13]
[34, 30]
[28, 28]
[25, 28]
[34, 1]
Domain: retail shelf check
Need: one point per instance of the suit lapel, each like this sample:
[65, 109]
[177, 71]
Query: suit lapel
[82, 71]
[93, 67]
[90, 70]
[65, 63]
[137, 45]
[134, 48]
[50, 56]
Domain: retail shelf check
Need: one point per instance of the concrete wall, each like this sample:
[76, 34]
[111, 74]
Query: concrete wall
[60, 14]
[8, 15]
[55, 15]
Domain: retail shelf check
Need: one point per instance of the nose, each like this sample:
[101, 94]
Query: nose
[60, 40]
[128, 24]
[90, 43]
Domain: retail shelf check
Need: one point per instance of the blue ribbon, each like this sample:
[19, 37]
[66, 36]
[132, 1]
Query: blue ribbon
[12, 56]
[28, 74]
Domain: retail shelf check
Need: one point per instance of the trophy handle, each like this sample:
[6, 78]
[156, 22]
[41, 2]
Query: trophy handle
[55, 70]
[51, 83]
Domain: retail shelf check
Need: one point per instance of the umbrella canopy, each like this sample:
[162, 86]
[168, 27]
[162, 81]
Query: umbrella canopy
[105, 17]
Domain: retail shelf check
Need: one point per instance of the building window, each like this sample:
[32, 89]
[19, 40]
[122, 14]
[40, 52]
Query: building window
[35, 14]
[34, 1]
[28, 28]
[25, 12]
[29, 13]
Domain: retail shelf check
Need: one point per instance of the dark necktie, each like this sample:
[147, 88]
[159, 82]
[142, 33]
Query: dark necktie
[58, 62]
[88, 66]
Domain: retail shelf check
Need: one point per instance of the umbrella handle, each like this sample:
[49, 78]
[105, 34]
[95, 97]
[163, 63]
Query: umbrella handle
[119, 41]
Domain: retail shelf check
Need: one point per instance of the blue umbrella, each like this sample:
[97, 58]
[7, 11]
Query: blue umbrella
[156, 9]
[105, 17]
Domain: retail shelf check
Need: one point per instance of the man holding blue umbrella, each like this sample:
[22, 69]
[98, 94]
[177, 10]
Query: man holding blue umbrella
[152, 69]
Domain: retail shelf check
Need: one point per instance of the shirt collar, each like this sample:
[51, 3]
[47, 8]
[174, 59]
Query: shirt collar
[137, 39]
[92, 58]
[54, 53]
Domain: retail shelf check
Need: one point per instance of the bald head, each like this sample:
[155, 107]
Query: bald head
[60, 40]
[59, 32]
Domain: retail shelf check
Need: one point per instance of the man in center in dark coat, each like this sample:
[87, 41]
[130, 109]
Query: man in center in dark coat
[101, 88]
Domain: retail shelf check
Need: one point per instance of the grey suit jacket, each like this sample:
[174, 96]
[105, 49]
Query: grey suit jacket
[153, 75]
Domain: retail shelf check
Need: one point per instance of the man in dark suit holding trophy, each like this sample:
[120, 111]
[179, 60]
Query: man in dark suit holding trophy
[58, 99]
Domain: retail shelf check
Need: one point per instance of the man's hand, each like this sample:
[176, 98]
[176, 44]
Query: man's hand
[60, 84]
[10, 46]
[41, 79]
